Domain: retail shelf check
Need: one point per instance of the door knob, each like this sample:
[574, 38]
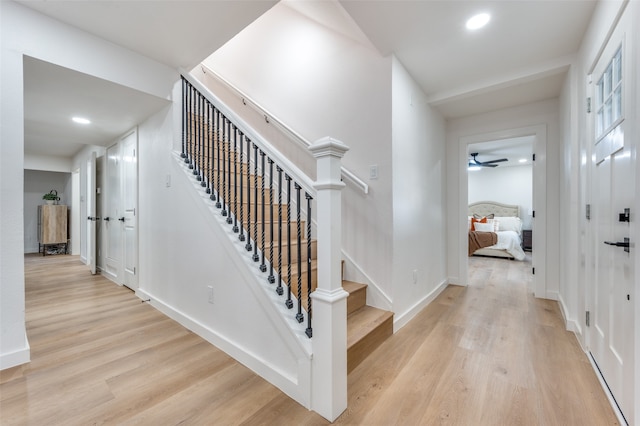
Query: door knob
[107, 219]
[624, 244]
[121, 219]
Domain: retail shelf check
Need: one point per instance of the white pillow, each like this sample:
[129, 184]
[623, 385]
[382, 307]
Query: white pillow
[495, 224]
[507, 223]
[484, 227]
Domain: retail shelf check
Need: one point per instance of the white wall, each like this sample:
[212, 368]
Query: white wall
[419, 263]
[322, 78]
[25, 32]
[528, 116]
[508, 185]
[36, 184]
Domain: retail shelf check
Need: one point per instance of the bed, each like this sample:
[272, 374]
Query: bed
[508, 229]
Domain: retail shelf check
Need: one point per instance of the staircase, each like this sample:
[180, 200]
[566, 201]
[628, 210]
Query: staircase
[271, 215]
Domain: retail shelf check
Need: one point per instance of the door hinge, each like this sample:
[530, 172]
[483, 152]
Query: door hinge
[533, 157]
[588, 211]
[533, 270]
[533, 213]
[588, 105]
[587, 318]
[134, 270]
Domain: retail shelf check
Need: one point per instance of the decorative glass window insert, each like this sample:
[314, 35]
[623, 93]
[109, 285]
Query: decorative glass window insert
[609, 97]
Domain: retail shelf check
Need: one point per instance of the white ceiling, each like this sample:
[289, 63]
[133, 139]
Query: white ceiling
[520, 57]
[525, 42]
[179, 34]
[53, 95]
[513, 149]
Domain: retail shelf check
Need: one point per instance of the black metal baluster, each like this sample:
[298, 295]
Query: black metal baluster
[209, 147]
[212, 133]
[248, 246]
[197, 131]
[271, 277]
[218, 171]
[263, 266]
[240, 176]
[255, 196]
[235, 179]
[187, 159]
[225, 178]
[288, 303]
[308, 331]
[203, 128]
[228, 173]
[279, 287]
[299, 315]
[184, 118]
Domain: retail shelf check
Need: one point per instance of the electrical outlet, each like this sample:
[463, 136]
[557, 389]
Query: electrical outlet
[373, 172]
[210, 288]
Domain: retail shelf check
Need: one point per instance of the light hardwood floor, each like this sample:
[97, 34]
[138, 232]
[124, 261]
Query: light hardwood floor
[488, 354]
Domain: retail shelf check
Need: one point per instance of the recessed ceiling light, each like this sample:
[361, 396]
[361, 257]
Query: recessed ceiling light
[478, 21]
[81, 120]
[522, 160]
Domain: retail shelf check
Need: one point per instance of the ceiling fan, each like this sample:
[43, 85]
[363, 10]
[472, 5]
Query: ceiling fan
[473, 162]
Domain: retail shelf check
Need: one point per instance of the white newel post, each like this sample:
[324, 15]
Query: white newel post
[329, 305]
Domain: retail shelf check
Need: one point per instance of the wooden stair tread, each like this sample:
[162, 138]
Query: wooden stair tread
[361, 322]
[352, 287]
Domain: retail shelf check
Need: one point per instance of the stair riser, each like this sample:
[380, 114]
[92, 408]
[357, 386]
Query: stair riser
[356, 300]
[358, 352]
[267, 213]
[294, 251]
[267, 232]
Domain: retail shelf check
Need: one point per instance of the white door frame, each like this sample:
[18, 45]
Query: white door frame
[539, 201]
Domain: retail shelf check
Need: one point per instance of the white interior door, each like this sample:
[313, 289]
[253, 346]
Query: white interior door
[91, 213]
[130, 205]
[111, 220]
[612, 192]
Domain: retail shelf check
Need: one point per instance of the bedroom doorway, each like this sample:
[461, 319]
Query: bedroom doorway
[496, 178]
[500, 192]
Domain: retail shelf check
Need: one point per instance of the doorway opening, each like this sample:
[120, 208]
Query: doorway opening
[500, 192]
[537, 135]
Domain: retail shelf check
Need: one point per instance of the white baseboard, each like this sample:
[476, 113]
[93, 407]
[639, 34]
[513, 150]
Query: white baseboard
[376, 297]
[12, 359]
[294, 387]
[605, 388]
[551, 295]
[401, 320]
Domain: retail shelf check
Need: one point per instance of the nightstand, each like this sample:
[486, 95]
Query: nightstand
[527, 239]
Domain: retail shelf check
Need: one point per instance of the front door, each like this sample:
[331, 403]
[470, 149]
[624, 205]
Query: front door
[611, 338]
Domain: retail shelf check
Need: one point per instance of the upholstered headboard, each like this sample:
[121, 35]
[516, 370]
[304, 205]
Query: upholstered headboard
[485, 208]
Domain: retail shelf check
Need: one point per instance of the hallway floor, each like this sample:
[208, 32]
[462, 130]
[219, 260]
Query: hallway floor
[487, 354]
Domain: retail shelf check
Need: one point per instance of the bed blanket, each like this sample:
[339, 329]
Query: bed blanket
[478, 240]
[509, 241]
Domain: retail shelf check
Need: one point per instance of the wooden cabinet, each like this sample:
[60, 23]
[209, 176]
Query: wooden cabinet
[527, 239]
[52, 226]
